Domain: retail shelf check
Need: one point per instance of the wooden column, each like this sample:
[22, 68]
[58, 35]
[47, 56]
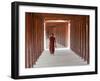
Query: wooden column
[79, 36]
[87, 39]
[28, 41]
[33, 39]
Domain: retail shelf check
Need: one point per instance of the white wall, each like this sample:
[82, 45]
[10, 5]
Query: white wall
[5, 40]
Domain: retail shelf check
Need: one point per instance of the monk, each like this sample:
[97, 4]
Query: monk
[52, 43]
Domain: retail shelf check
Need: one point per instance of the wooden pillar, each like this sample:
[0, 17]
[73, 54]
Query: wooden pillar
[33, 38]
[28, 41]
[87, 39]
[80, 36]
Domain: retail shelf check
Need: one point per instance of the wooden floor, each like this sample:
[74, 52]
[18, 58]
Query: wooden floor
[60, 58]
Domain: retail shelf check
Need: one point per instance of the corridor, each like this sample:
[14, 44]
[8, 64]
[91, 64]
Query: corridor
[60, 58]
[71, 33]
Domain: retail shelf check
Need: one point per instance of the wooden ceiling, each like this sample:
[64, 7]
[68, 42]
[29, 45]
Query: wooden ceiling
[48, 16]
[56, 24]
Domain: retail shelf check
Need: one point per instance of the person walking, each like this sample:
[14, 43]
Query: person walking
[52, 43]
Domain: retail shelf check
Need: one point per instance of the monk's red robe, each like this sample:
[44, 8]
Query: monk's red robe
[52, 44]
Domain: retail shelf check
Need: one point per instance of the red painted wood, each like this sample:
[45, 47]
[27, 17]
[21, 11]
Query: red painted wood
[34, 35]
[80, 36]
[34, 39]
